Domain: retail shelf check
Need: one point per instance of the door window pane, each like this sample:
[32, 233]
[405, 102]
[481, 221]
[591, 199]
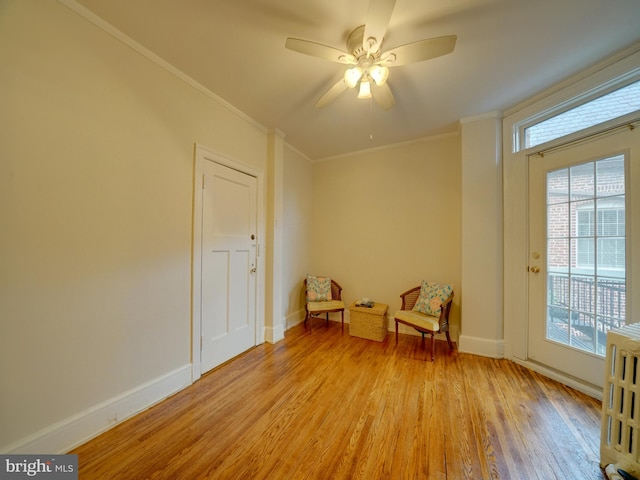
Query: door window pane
[610, 173]
[581, 181]
[586, 253]
[558, 186]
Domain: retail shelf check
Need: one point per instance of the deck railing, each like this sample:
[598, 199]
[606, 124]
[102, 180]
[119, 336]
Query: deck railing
[583, 310]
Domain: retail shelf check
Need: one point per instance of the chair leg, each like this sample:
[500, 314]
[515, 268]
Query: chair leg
[327, 324]
[342, 317]
[449, 341]
[396, 332]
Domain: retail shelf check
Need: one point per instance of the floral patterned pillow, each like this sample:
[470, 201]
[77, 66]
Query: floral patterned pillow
[432, 295]
[318, 289]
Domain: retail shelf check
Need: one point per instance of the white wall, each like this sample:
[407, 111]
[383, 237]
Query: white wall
[274, 324]
[96, 173]
[297, 238]
[482, 328]
[384, 220]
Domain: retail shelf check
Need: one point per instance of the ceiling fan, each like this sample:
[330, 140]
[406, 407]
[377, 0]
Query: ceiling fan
[368, 65]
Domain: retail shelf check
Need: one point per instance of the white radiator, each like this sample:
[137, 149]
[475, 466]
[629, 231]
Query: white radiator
[619, 437]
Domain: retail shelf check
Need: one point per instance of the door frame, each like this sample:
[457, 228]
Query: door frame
[516, 195]
[203, 154]
[517, 261]
[614, 143]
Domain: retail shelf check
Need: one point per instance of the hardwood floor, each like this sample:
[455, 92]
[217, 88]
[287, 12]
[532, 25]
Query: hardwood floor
[332, 406]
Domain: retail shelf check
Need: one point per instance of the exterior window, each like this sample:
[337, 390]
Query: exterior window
[607, 107]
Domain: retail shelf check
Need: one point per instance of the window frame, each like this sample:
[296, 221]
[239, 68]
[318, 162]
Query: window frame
[577, 100]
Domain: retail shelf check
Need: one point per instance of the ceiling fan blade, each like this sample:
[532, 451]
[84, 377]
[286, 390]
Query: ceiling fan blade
[333, 93]
[419, 51]
[321, 51]
[376, 24]
[383, 96]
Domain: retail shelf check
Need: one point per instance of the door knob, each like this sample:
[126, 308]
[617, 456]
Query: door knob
[535, 269]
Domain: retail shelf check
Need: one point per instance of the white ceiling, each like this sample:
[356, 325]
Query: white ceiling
[507, 51]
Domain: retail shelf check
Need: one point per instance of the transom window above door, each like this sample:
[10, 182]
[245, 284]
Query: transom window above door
[598, 110]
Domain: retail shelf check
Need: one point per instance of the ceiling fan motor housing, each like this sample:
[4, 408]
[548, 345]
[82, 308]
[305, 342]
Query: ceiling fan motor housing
[355, 43]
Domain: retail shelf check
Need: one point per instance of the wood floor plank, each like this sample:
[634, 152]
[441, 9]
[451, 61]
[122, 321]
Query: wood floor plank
[332, 406]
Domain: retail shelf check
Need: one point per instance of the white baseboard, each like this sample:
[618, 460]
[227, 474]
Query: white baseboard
[588, 389]
[274, 334]
[484, 347]
[295, 318]
[67, 434]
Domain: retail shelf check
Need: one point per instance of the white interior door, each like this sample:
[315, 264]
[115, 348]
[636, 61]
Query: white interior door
[584, 204]
[228, 286]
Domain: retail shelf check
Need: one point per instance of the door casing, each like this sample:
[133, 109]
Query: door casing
[203, 154]
[611, 71]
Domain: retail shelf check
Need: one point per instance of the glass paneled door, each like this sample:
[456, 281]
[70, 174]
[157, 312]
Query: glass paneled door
[579, 248]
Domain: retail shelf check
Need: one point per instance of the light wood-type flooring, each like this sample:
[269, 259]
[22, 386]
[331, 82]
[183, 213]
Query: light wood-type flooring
[332, 406]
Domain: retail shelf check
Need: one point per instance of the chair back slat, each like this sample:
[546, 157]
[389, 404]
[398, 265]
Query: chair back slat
[336, 291]
[444, 313]
[409, 298]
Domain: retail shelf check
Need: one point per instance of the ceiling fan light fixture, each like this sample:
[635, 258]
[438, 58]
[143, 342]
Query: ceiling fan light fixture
[365, 88]
[379, 73]
[366, 62]
[352, 75]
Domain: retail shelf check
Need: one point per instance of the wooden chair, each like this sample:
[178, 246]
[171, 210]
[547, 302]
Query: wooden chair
[313, 309]
[421, 322]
